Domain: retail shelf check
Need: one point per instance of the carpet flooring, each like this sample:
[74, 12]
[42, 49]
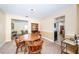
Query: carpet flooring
[47, 48]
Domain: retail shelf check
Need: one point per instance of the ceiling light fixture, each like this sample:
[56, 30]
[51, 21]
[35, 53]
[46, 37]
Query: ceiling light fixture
[31, 9]
[26, 16]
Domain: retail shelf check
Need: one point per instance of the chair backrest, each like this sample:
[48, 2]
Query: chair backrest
[35, 47]
[19, 39]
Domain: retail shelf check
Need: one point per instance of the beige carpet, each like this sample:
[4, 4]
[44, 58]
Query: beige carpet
[48, 48]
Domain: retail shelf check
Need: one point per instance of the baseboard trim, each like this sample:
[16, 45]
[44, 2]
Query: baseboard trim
[2, 44]
[48, 39]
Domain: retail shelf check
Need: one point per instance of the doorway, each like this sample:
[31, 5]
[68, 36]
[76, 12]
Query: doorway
[18, 27]
[59, 29]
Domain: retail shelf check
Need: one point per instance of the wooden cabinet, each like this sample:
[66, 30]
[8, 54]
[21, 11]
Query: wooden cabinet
[34, 27]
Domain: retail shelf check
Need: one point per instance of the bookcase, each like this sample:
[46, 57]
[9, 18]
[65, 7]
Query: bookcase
[34, 27]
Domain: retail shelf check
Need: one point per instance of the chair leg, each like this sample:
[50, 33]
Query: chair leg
[25, 50]
[29, 52]
[39, 52]
[16, 50]
[21, 48]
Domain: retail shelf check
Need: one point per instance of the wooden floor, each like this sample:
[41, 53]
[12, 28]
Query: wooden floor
[48, 48]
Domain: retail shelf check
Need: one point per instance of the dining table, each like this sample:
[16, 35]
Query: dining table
[27, 39]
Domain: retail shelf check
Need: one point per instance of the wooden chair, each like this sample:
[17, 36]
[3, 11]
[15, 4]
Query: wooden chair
[19, 45]
[35, 47]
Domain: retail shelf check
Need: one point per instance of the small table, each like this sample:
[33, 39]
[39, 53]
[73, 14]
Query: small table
[72, 43]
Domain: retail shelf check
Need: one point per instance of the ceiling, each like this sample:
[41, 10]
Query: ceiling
[32, 10]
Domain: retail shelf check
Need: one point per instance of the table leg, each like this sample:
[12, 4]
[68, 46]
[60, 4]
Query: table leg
[61, 47]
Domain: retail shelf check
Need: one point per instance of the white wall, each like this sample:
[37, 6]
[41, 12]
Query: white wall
[2, 28]
[78, 19]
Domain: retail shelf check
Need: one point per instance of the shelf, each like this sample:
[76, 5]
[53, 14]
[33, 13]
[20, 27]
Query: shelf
[68, 41]
[34, 27]
[70, 49]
